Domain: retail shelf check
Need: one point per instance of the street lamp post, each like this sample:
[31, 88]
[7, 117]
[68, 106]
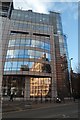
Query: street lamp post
[41, 93]
[70, 76]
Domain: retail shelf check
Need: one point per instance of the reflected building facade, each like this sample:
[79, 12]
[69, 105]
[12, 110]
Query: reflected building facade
[33, 48]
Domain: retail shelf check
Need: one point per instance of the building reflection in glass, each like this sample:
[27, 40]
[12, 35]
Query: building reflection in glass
[39, 86]
[42, 67]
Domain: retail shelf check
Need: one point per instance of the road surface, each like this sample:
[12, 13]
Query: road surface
[66, 110]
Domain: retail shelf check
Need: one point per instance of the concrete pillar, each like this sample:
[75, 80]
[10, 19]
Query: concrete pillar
[1, 70]
[53, 67]
[54, 89]
[27, 88]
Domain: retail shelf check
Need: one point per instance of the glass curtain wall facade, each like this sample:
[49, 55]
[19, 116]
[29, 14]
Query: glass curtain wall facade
[32, 58]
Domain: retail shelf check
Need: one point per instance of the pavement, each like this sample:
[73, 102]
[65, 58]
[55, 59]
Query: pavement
[18, 105]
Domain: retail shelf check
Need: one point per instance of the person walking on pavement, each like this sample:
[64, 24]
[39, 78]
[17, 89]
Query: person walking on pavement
[11, 96]
[74, 95]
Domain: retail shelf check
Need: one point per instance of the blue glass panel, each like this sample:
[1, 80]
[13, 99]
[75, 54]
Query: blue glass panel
[17, 42]
[26, 54]
[5, 66]
[48, 56]
[38, 54]
[16, 53]
[31, 52]
[21, 54]
[25, 63]
[42, 45]
[11, 43]
[38, 44]
[14, 65]
[8, 66]
[19, 65]
[47, 46]
[33, 43]
[23, 42]
[30, 64]
[27, 42]
[10, 54]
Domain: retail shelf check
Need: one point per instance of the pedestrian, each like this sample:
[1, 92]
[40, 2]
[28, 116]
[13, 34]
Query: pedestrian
[74, 95]
[11, 96]
[62, 97]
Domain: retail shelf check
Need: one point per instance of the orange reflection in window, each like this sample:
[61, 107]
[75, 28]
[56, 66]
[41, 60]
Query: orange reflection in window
[39, 86]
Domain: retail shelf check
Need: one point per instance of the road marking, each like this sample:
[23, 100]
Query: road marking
[52, 116]
[64, 116]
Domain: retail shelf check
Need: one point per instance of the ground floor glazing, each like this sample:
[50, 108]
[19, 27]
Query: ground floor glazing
[27, 86]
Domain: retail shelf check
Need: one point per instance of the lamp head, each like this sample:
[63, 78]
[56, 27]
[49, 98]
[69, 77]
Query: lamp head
[71, 59]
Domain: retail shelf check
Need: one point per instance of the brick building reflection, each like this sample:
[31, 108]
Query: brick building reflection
[40, 86]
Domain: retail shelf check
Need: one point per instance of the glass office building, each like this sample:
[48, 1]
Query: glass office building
[33, 48]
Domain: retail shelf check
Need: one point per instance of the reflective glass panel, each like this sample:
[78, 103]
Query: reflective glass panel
[7, 66]
[10, 54]
[31, 52]
[38, 54]
[17, 43]
[40, 87]
[19, 65]
[47, 46]
[38, 44]
[14, 66]
[23, 41]
[28, 42]
[16, 53]
[11, 43]
[21, 54]
[33, 43]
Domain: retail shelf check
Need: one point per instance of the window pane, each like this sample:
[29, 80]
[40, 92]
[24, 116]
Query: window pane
[17, 42]
[5, 66]
[26, 54]
[33, 43]
[38, 54]
[10, 54]
[48, 56]
[25, 63]
[42, 45]
[14, 65]
[16, 53]
[23, 41]
[8, 66]
[31, 52]
[21, 54]
[38, 44]
[47, 46]
[27, 42]
[11, 43]
[30, 64]
[19, 65]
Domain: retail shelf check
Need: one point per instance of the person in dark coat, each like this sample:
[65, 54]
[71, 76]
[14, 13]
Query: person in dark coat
[74, 95]
[11, 96]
